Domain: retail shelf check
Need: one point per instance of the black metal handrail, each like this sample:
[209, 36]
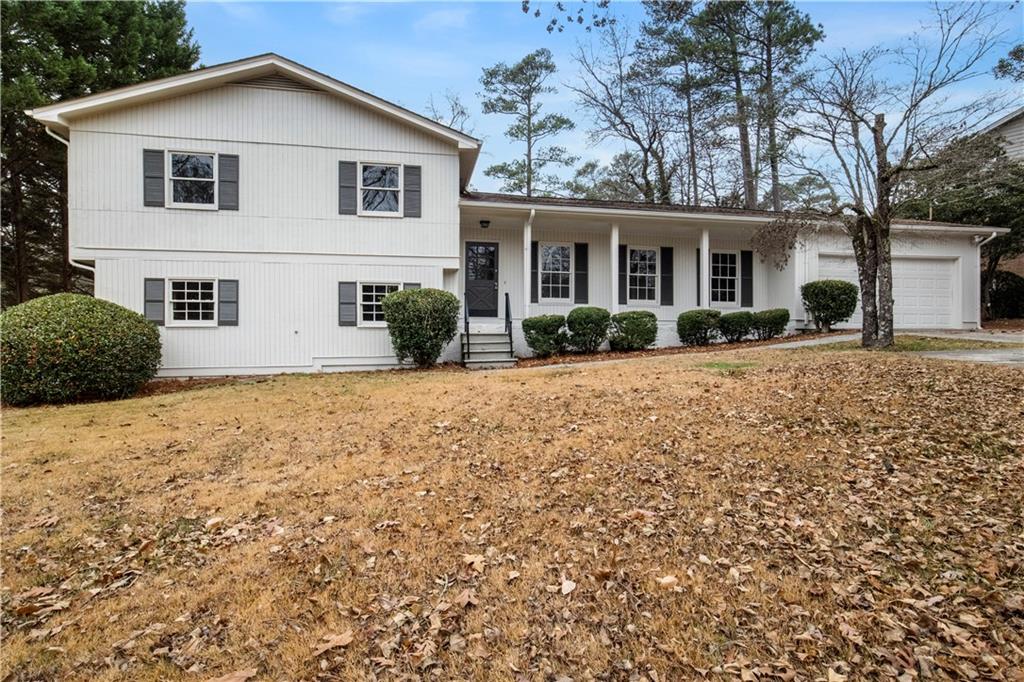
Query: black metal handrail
[465, 326]
[508, 322]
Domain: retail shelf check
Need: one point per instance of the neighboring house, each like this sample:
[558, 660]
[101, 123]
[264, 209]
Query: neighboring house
[259, 211]
[1010, 130]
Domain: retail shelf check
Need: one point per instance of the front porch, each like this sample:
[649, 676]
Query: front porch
[550, 261]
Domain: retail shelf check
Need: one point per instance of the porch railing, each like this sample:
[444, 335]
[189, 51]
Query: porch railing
[465, 326]
[508, 322]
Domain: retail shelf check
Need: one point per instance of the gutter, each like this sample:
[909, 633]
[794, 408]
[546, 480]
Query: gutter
[71, 261]
[980, 243]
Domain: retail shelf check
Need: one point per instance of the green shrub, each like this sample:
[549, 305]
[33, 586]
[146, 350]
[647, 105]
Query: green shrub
[69, 347]
[829, 301]
[421, 323]
[1006, 300]
[588, 328]
[697, 327]
[633, 330]
[734, 327]
[545, 334]
[768, 324]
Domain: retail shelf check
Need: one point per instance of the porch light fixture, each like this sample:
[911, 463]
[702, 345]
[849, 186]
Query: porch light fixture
[484, 224]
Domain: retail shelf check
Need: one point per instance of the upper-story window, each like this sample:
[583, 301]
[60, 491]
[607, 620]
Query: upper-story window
[380, 188]
[193, 179]
[643, 275]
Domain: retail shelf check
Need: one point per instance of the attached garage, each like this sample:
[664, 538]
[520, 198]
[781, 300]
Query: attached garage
[924, 289]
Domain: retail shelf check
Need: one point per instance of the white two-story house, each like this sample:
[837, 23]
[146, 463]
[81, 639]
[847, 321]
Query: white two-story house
[259, 211]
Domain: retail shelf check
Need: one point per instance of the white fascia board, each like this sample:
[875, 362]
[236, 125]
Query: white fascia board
[525, 208]
[60, 113]
[611, 212]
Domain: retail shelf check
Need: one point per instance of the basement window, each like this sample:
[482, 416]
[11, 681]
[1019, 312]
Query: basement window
[371, 298]
[192, 302]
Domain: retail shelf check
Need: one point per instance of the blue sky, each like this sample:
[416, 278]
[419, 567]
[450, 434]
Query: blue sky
[407, 51]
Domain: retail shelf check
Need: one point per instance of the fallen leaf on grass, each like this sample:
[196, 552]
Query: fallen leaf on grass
[475, 561]
[333, 642]
[237, 676]
[668, 582]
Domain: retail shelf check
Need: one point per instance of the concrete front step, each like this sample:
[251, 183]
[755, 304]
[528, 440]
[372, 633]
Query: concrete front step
[486, 337]
[475, 346]
[503, 354]
[475, 363]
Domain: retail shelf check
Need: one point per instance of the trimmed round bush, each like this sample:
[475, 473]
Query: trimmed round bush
[829, 301]
[735, 327]
[545, 334]
[422, 322]
[767, 324]
[1006, 300]
[633, 330]
[69, 347]
[588, 328]
[697, 327]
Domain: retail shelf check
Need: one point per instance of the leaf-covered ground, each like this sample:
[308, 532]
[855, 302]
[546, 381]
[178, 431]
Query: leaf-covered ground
[745, 515]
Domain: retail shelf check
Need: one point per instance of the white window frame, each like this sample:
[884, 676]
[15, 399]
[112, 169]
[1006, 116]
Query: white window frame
[657, 275]
[401, 190]
[171, 203]
[541, 271]
[735, 303]
[359, 302]
[169, 320]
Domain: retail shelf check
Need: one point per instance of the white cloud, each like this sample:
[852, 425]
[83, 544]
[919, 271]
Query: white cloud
[441, 19]
[248, 12]
[346, 13]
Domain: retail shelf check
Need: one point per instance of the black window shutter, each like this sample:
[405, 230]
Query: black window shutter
[666, 276]
[227, 302]
[747, 279]
[153, 305]
[347, 177]
[152, 177]
[411, 285]
[580, 265]
[698, 278]
[623, 273]
[347, 304]
[411, 207]
[534, 258]
[227, 181]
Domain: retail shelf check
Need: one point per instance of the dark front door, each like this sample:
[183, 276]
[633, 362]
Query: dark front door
[482, 279]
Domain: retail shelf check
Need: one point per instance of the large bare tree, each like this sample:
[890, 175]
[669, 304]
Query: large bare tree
[867, 135]
[629, 103]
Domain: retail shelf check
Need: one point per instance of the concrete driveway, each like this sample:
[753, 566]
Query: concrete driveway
[1009, 356]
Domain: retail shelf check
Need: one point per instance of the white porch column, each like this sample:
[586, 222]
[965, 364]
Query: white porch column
[527, 270]
[613, 246]
[705, 269]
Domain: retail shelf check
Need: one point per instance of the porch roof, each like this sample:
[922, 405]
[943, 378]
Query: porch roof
[637, 209]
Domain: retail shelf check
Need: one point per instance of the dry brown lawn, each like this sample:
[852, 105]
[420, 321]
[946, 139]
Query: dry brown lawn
[750, 515]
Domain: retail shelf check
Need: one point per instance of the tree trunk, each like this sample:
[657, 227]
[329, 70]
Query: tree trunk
[742, 123]
[529, 149]
[772, 114]
[882, 222]
[691, 137]
[67, 274]
[865, 252]
[20, 238]
[987, 275]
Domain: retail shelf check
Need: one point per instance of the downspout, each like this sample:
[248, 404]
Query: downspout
[980, 243]
[71, 261]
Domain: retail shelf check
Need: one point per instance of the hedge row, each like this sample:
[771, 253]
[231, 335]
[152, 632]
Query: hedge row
[586, 328]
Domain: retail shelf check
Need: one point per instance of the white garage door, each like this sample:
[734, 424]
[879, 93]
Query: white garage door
[922, 289]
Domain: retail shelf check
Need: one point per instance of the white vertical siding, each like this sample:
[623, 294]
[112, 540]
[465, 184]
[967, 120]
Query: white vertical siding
[288, 314]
